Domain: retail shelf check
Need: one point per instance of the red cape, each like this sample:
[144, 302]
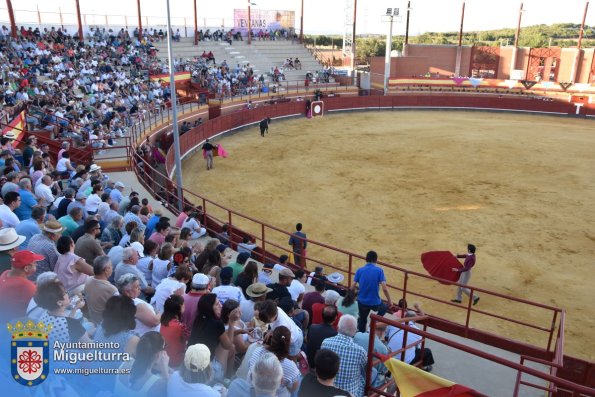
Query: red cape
[440, 263]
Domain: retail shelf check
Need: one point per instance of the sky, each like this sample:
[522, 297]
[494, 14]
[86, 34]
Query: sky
[320, 16]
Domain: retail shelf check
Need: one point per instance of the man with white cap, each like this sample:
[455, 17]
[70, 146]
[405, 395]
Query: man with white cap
[201, 285]
[194, 374]
[16, 290]
[9, 241]
[81, 199]
[44, 244]
[116, 193]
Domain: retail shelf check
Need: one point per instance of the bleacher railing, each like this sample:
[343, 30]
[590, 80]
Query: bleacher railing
[553, 383]
[272, 241]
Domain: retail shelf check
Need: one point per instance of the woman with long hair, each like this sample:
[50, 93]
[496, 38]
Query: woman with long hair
[192, 222]
[278, 344]
[173, 329]
[348, 304]
[149, 371]
[162, 264]
[119, 320]
[213, 266]
[241, 332]
[201, 259]
[247, 277]
[210, 330]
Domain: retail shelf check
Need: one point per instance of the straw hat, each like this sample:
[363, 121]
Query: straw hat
[257, 290]
[52, 227]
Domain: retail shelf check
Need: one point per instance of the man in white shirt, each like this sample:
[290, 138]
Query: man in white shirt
[227, 291]
[297, 288]
[43, 191]
[414, 355]
[12, 200]
[282, 263]
[94, 199]
[269, 313]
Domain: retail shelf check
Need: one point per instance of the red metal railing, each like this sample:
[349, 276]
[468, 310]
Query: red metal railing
[555, 384]
[271, 238]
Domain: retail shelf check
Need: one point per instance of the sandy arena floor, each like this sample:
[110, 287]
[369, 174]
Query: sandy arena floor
[520, 187]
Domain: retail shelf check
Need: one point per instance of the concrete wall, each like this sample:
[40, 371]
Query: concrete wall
[441, 59]
[567, 61]
[436, 59]
[586, 63]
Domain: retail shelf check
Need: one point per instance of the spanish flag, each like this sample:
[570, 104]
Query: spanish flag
[15, 129]
[414, 382]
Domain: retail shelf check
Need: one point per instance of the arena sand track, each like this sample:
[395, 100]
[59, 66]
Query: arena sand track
[521, 187]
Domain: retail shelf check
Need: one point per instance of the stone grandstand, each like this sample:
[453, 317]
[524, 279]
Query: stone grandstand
[262, 55]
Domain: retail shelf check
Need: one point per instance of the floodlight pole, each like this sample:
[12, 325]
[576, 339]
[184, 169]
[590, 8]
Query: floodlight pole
[407, 28]
[78, 17]
[389, 38]
[302, 24]
[516, 41]
[140, 24]
[580, 35]
[460, 48]
[174, 108]
[195, 25]
[13, 24]
[353, 38]
[576, 62]
[249, 25]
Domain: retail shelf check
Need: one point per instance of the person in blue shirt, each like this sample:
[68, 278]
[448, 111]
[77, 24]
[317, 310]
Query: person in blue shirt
[28, 200]
[369, 278]
[30, 227]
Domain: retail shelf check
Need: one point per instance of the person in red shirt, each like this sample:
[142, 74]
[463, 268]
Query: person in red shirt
[173, 330]
[330, 299]
[15, 289]
[314, 297]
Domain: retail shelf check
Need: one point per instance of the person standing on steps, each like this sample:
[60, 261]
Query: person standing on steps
[207, 149]
[370, 278]
[465, 272]
[298, 243]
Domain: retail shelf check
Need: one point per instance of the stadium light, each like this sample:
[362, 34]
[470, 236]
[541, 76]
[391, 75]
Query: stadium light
[250, 22]
[174, 108]
[391, 13]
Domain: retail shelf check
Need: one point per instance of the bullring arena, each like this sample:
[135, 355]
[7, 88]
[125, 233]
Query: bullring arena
[406, 182]
[457, 144]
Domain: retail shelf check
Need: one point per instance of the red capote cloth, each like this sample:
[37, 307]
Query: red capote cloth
[440, 263]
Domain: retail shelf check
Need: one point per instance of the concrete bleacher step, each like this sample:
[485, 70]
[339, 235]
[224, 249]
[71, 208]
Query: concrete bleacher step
[261, 55]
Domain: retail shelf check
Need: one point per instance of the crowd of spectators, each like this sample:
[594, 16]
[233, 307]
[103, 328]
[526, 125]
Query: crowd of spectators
[89, 256]
[98, 263]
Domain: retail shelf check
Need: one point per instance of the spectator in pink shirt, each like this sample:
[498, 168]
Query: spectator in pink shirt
[183, 215]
